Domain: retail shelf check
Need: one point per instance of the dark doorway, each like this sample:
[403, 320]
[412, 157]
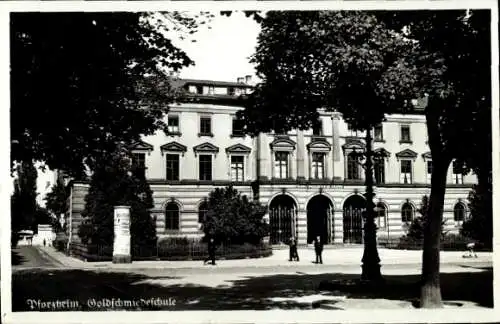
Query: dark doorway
[319, 219]
[353, 210]
[282, 219]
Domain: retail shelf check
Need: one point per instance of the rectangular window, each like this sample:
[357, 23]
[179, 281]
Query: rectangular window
[173, 124]
[378, 133]
[139, 164]
[351, 131]
[318, 166]
[205, 167]
[281, 165]
[205, 125]
[172, 166]
[353, 167]
[211, 90]
[231, 91]
[458, 177]
[237, 168]
[429, 171]
[379, 170]
[406, 174]
[318, 128]
[199, 89]
[405, 133]
[237, 127]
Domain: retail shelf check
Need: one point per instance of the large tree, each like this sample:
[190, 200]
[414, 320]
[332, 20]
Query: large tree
[455, 72]
[116, 183]
[23, 200]
[78, 85]
[344, 61]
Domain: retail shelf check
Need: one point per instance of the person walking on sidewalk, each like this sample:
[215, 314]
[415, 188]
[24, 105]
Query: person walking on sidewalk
[211, 251]
[294, 255]
[318, 247]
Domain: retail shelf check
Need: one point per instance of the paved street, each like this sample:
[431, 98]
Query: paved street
[297, 286]
[31, 257]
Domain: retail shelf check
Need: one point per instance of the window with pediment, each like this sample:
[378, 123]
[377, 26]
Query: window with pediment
[173, 153]
[282, 152]
[319, 149]
[205, 152]
[406, 159]
[238, 159]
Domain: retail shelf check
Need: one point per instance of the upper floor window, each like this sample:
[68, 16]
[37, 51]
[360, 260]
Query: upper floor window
[406, 172]
[237, 168]
[318, 128]
[205, 126]
[353, 172]
[205, 167]
[281, 165]
[139, 163]
[199, 89]
[405, 134]
[378, 133]
[429, 171]
[379, 170]
[172, 166]
[231, 91]
[351, 130]
[407, 213]
[458, 177]
[172, 218]
[237, 127]
[318, 165]
[173, 124]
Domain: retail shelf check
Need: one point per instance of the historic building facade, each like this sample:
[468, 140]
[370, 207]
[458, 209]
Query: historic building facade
[310, 180]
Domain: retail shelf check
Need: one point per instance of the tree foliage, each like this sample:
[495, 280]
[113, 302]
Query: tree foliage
[83, 82]
[115, 183]
[324, 59]
[480, 224]
[417, 225]
[233, 218]
[23, 200]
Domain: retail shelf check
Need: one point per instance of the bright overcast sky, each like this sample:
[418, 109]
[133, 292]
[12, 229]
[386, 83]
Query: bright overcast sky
[222, 52]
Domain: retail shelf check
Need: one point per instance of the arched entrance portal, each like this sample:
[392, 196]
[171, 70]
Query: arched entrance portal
[319, 219]
[353, 210]
[282, 219]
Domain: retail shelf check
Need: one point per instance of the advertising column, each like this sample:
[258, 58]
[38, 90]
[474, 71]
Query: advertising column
[121, 243]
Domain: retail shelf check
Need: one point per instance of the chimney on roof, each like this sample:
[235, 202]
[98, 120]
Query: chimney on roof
[240, 80]
[248, 79]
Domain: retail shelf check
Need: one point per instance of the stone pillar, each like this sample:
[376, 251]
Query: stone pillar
[121, 243]
[335, 137]
[263, 157]
[300, 155]
[338, 227]
[302, 227]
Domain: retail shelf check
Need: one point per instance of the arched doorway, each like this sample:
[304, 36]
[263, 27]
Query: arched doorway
[282, 219]
[319, 219]
[353, 210]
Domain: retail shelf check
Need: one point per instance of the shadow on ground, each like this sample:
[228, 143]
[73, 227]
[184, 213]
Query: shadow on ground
[17, 259]
[245, 293]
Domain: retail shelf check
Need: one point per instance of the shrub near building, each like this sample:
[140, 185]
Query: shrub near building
[234, 219]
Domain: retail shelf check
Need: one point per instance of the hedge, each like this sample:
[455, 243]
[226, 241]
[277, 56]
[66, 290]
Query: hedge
[450, 242]
[173, 249]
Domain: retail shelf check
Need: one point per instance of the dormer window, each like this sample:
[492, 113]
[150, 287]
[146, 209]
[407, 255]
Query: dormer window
[231, 91]
[199, 89]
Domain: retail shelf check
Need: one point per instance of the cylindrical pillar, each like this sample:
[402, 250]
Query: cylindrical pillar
[121, 242]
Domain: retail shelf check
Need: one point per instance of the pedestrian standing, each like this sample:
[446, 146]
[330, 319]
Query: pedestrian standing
[294, 255]
[318, 247]
[211, 251]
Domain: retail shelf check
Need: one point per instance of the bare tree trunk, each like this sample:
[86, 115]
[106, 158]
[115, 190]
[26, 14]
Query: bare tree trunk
[371, 259]
[430, 291]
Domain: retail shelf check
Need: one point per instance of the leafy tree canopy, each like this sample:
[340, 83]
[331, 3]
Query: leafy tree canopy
[81, 83]
[233, 217]
[345, 61]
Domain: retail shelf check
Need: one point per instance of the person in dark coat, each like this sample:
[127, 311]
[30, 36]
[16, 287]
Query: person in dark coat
[211, 251]
[318, 247]
[294, 255]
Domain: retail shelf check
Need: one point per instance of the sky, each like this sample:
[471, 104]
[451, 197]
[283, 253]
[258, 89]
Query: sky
[222, 52]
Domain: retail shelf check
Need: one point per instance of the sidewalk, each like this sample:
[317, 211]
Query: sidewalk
[332, 257]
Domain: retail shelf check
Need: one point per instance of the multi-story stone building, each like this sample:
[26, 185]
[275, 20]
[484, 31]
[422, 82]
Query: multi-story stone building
[309, 180]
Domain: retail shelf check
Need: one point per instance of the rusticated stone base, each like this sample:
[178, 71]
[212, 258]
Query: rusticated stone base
[122, 258]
